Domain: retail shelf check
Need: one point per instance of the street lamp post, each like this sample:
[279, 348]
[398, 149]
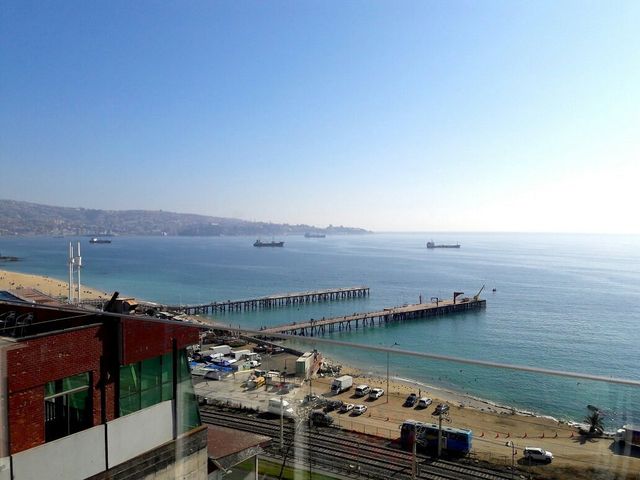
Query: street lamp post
[388, 392]
[387, 377]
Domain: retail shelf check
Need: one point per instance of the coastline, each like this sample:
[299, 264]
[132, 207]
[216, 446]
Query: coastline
[492, 424]
[57, 288]
[452, 397]
[51, 286]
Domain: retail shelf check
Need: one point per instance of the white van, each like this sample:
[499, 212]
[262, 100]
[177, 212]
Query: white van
[362, 390]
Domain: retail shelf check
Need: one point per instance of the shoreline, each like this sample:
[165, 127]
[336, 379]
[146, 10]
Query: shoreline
[491, 424]
[51, 286]
[57, 288]
[452, 397]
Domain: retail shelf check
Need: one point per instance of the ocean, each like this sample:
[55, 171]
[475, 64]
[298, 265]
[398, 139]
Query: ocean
[562, 302]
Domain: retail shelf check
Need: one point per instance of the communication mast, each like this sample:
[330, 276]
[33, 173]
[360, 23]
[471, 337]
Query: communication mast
[78, 261]
[74, 260]
[71, 260]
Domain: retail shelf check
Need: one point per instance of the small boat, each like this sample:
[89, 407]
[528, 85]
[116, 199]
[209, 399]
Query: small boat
[314, 235]
[99, 240]
[431, 244]
[260, 243]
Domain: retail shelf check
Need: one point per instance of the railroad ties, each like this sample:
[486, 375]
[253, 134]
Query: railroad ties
[388, 315]
[275, 301]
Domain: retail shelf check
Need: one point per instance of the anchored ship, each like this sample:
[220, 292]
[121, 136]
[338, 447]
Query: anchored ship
[99, 240]
[260, 243]
[431, 244]
[314, 235]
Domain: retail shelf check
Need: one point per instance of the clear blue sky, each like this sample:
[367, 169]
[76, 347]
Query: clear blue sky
[403, 116]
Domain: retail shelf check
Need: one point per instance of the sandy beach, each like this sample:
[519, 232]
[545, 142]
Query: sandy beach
[53, 287]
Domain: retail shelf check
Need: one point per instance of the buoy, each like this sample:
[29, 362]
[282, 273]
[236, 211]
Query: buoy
[556, 435]
[508, 435]
[542, 436]
[482, 435]
[497, 435]
[525, 435]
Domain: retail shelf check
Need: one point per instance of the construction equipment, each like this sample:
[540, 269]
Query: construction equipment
[475, 297]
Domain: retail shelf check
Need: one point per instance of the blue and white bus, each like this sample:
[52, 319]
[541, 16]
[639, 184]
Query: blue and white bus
[453, 439]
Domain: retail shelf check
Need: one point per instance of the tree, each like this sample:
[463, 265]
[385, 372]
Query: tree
[594, 420]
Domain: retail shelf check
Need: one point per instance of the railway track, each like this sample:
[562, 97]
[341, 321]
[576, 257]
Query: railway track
[336, 450]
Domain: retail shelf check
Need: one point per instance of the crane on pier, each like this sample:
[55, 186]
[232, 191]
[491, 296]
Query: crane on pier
[475, 297]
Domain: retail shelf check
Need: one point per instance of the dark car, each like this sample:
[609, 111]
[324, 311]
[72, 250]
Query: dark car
[332, 405]
[320, 419]
[411, 400]
[260, 348]
[442, 408]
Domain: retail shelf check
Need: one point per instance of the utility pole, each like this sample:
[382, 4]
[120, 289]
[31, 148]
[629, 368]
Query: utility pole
[439, 435]
[513, 456]
[281, 424]
[441, 412]
[414, 462]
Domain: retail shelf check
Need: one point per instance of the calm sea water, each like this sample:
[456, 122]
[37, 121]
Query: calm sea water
[564, 302]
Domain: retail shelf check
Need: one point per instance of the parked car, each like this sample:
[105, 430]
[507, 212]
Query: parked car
[424, 402]
[320, 418]
[260, 349]
[311, 398]
[411, 400]
[346, 407]
[359, 409]
[332, 405]
[537, 454]
[376, 393]
[441, 409]
[362, 390]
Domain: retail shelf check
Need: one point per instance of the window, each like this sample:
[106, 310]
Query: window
[146, 383]
[68, 406]
[150, 382]
[188, 406]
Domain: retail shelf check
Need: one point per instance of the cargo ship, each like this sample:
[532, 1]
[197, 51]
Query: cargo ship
[314, 235]
[99, 240]
[260, 243]
[432, 244]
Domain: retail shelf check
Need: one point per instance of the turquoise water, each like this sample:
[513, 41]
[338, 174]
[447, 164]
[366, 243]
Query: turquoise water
[564, 302]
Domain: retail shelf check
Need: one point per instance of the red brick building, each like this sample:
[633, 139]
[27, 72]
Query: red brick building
[96, 395]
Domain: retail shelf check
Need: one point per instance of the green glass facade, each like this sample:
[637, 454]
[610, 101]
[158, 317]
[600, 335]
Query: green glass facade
[149, 382]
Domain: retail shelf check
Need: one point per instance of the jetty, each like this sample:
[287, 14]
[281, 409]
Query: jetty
[396, 314]
[274, 301]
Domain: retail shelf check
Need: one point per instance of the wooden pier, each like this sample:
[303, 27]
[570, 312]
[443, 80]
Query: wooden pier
[388, 315]
[274, 301]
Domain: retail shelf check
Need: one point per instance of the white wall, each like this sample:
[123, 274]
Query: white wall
[74, 457]
[5, 468]
[138, 432]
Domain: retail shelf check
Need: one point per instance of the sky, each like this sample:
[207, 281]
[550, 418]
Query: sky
[430, 116]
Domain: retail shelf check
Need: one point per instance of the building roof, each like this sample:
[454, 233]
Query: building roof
[228, 447]
[34, 295]
[223, 441]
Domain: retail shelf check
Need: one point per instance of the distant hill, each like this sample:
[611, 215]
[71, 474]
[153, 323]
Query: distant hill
[24, 218]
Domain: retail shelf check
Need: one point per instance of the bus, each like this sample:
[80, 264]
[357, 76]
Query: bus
[453, 439]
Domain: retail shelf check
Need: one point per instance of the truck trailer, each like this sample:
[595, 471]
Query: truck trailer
[341, 384]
